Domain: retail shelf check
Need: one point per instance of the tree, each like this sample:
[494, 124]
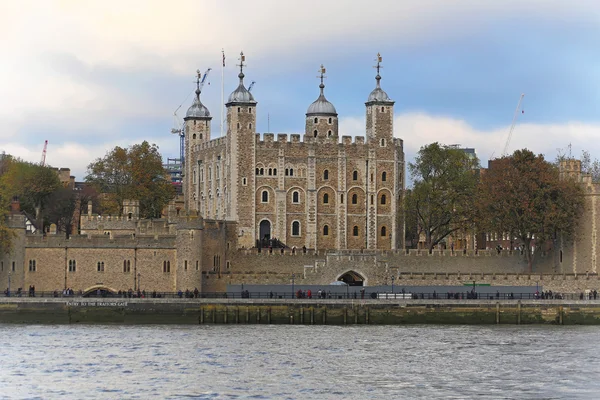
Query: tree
[442, 198]
[588, 166]
[522, 194]
[6, 234]
[61, 209]
[135, 173]
[32, 184]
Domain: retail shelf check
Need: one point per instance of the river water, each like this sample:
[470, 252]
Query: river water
[299, 362]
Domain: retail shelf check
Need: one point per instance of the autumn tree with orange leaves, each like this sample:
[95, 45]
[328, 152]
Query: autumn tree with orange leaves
[523, 195]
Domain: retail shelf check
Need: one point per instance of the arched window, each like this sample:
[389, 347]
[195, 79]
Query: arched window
[270, 171]
[249, 110]
[383, 176]
[326, 230]
[315, 133]
[275, 171]
[382, 109]
[372, 199]
[238, 125]
[325, 198]
[316, 120]
[262, 171]
[330, 120]
[295, 197]
[383, 231]
[291, 171]
[295, 228]
[287, 171]
[209, 173]
[383, 199]
[355, 231]
[239, 109]
[257, 171]
[194, 177]
[355, 176]
[382, 142]
[194, 136]
[326, 174]
[354, 198]
[342, 198]
[265, 196]
[250, 125]
[329, 133]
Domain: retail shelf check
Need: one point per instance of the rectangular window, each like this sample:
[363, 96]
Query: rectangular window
[100, 266]
[72, 265]
[1, 265]
[185, 265]
[13, 266]
[31, 265]
[197, 266]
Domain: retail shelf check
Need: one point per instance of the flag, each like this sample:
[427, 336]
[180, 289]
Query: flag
[379, 59]
[223, 58]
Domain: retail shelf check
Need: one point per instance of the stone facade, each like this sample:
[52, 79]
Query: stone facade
[319, 192]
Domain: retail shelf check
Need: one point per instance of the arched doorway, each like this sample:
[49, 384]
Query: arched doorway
[265, 231]
[99, 291]
[352, 278]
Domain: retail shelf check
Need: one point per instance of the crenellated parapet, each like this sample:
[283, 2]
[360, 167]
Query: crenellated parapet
[268, 140]
[101, 241]
[214, 143]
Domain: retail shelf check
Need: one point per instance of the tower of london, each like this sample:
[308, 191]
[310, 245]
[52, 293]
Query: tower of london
[317, 191]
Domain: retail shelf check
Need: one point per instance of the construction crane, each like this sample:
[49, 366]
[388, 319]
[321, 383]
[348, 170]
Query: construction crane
[178, 128]
[512, 126]
[43, 161]
[251, 85]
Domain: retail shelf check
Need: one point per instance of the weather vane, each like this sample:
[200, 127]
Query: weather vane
[322, 71]
[378, 66]
[241, 64]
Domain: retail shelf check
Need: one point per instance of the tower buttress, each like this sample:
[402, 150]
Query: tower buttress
[321, 116]
[380, 113]
[241, 149]
[196, 130]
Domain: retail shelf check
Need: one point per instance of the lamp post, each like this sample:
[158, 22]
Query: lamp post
[293, 276]
[392, 284]
[8, 290]
[139, 286]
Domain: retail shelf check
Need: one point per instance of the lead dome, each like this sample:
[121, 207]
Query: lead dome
[197, 109]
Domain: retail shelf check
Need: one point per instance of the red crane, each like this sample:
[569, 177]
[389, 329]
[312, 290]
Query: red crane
[43, 162]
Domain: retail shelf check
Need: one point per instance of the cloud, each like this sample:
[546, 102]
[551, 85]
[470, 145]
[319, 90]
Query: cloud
[421, 129]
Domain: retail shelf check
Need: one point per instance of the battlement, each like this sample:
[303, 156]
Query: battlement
[101, 241]
[214, 143]
[384, 253]
[295, 138]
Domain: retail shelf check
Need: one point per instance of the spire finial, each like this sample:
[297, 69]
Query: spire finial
[322, 76]
[198, 79]
[241, 65]
[378, 66]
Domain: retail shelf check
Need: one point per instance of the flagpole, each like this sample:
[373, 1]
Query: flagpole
[222, 91]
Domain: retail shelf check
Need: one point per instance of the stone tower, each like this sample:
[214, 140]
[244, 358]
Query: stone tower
[321, 116]
[196, 130]
[380, 140]
[241, 148]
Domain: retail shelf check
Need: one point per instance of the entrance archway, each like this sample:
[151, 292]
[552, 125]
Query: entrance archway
[352, 278]
[265, 230]
[99, 291]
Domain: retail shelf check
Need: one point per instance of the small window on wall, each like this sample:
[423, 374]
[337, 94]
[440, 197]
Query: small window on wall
[185, 265]
[197, 265]
[249, 110]
[244, 182]
[295, 197]
[329, 133]
[382, 109]
[326, 230]
[342, 198]
[100, 266]
[383, 176]
[126, 266]
[194, 136]
[265, 196]
[316, 120]
[295, 228]
[354, 199]
[325, 198]
[166, 266]
[315, 133]
[32, 266]
[330, 120]
[239, 109]
[383, 231]
[326, 175]
[383, 199]
[372, 199]
[355, 176]
[355, 231]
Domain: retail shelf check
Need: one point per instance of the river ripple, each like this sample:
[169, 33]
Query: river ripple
[291, 362]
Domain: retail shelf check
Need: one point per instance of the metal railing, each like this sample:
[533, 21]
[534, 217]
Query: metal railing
[312, 296]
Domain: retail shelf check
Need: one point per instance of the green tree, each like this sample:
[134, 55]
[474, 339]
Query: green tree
[135, 173]
[6, 234]
[442, 198]
[522, 194]
[33, 185]
[61, 209]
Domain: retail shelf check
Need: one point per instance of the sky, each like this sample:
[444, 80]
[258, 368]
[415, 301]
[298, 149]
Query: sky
[91, 75]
